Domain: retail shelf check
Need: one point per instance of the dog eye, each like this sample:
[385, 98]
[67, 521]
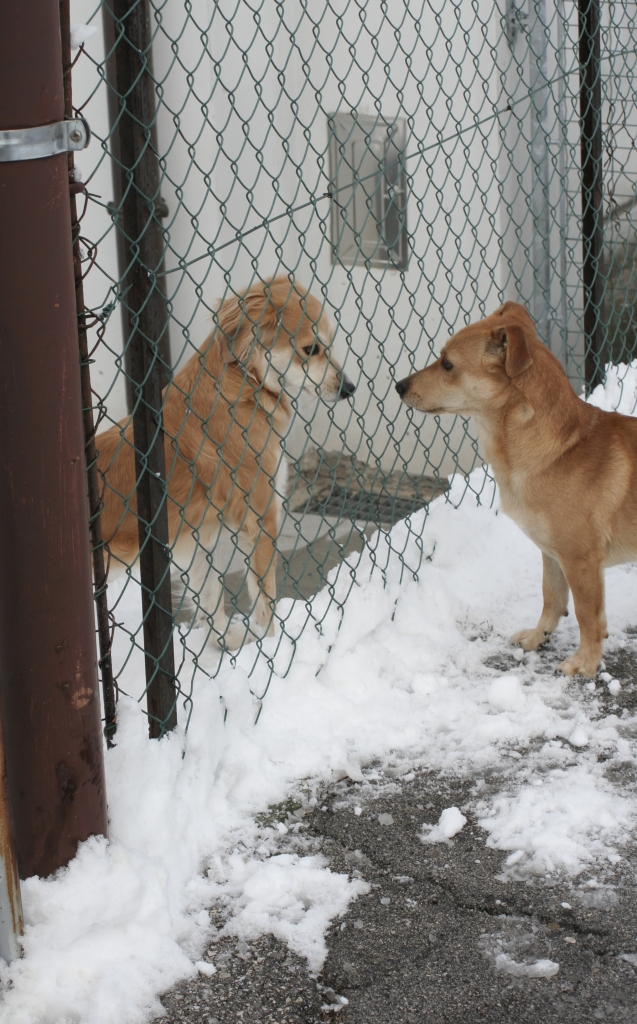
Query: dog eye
[311, 350]
[446, 365]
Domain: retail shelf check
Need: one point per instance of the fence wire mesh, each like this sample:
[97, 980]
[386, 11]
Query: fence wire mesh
[291, 206]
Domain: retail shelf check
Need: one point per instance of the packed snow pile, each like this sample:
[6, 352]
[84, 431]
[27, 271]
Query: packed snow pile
[408, 668]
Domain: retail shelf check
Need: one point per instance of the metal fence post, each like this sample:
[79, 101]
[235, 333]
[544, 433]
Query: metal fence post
[48, 665]
[161, 209]
[592, 182]
[148, 323]
[540, 196]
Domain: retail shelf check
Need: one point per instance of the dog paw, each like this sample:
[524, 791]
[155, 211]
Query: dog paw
[191, 617]
[530, 639]
[242, 630]
[579, 665]
[237, 633]
[184, 616]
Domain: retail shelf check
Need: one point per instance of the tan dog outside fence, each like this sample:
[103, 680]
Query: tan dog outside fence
[226, 414]
[567, 471]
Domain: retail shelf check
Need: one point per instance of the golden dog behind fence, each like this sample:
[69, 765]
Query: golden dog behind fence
[225, 416]
[567, 471]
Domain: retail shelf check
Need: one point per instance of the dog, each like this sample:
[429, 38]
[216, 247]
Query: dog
[567, 471]
[226, 414]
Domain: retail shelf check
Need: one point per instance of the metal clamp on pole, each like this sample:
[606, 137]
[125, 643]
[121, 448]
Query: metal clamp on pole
[45, 140]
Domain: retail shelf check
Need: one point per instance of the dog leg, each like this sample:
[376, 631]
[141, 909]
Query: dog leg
[261, 577]
[555, 594]
[586, 580]
[196, 588]
[262, 585]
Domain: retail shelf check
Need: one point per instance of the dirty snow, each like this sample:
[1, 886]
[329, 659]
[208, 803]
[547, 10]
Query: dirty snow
[407, 673]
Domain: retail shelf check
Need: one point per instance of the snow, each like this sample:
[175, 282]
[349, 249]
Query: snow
[405, 677]
[506, 694]
[79, 35]
[451, 822]
[205, 968]
[579, 737]
[539, 969]
[569, 821]
[618, 393]
[291, 897]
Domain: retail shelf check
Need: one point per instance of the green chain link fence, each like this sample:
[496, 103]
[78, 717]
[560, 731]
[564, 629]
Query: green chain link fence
[411, 165]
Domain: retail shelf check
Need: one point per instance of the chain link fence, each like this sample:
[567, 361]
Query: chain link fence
[398, 169]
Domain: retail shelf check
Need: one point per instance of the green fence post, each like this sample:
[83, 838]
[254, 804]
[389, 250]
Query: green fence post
[148, 322]
[592, 184]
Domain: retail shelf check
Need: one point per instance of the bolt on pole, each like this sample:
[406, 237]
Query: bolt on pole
[147, 327]
[49, 689]
[592, 184]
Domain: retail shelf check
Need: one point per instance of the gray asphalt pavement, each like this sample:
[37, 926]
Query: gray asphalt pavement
[440, 937]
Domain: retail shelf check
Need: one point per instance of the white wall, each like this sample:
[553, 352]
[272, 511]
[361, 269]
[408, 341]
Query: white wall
[539, 169]
[269, 116]
[243, 133]
[518, 170]
[89, 94]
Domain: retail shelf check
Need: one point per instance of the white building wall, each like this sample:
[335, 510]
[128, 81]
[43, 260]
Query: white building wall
[90, 95]
[541, 182]
[262, 145]
[243, 133]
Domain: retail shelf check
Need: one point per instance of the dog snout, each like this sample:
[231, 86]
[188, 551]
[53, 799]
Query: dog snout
[347, 388]
[402, 386]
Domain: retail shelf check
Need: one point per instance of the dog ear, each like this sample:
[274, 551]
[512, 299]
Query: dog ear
[509, 347]
[516, 310]
[245, 319]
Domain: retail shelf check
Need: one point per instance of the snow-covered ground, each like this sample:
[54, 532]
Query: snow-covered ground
[404, 675]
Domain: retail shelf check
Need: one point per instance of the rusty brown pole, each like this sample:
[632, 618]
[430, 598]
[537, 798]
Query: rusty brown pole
[48, 664]
[11, 921]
